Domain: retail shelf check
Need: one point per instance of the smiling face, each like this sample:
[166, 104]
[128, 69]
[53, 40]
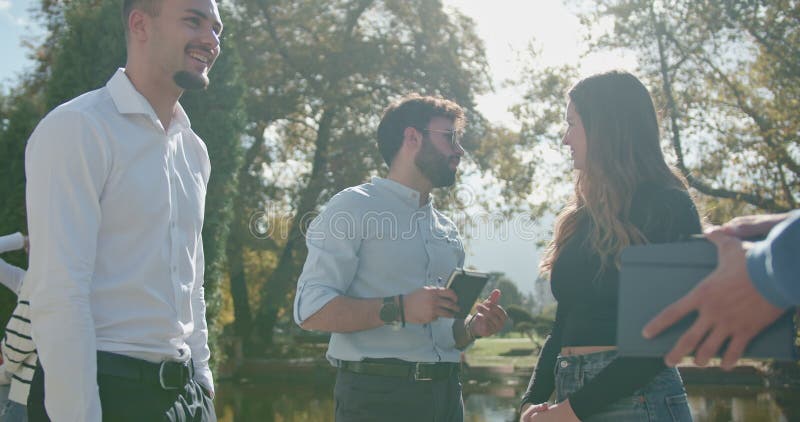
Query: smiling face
[185, 41]
[575, 137]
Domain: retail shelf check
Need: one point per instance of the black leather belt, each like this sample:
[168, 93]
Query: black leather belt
[418, 371]
[168, 375]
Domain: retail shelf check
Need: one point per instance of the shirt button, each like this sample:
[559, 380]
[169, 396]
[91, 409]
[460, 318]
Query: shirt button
[564, 364]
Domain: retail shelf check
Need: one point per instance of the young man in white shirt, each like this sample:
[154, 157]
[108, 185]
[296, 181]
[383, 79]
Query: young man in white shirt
[377, 256]
[115, 195]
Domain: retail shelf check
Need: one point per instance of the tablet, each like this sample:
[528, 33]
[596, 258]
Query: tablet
[468, 286]
[654, 276]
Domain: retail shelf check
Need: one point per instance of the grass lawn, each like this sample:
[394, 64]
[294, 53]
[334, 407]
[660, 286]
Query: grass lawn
[503, 351]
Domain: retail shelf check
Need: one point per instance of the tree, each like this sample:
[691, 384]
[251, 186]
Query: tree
[510, 294]
[218, 117]
[324, 72]
[727, 74]
[66, 68]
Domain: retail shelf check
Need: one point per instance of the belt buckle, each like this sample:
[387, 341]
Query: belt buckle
[161, 376]
[418, 373]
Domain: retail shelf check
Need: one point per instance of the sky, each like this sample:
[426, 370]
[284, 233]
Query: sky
[507, 28]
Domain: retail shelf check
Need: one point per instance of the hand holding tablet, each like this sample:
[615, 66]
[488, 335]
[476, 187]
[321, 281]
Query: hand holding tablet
[467, 285]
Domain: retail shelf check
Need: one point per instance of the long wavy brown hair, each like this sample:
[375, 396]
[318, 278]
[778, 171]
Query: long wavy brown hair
[623, 151]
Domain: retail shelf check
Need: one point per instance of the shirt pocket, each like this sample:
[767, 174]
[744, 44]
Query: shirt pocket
[446, 254]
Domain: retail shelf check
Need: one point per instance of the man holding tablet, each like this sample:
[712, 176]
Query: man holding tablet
[377, 256]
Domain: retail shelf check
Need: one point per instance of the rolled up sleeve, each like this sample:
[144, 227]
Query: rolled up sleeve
[333, 241]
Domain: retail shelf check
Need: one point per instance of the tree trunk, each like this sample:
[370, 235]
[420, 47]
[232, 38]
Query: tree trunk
[275, 293]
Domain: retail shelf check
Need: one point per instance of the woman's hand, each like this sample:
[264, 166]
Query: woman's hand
[561, 412]
[529, 410]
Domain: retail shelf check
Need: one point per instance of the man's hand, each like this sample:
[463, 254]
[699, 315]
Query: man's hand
[751, 225]
[728, 307]
[489, 317]
[429, 303]
[561, 412]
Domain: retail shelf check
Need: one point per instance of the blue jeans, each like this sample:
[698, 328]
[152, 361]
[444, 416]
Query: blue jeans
[663, 399]
[13, 412]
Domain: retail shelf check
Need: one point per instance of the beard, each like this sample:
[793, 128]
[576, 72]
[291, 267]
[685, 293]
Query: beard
[434, 165]
[190, 81]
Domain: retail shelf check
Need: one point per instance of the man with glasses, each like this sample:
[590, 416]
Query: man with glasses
[377, 256]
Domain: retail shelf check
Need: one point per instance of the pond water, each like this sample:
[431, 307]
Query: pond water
[312, 402]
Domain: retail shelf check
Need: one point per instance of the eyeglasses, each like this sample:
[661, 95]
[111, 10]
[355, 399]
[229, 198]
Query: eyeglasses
[453, 136]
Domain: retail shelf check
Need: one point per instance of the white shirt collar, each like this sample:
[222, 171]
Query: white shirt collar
[129, 101]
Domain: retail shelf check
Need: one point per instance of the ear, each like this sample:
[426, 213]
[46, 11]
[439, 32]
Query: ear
[412, 137]
[138, 25]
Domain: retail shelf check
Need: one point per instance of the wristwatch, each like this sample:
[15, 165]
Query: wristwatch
[389, 310]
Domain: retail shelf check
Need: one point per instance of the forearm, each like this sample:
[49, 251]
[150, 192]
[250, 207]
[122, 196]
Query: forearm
[542, 382]
[12, 242]
[619, 379]
[344, 314]
[11, 276]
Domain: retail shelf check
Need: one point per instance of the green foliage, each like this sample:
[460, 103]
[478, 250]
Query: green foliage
[85, 46]
[86, 49]
[727, 75]
[518, 314]
[322, 73]
[217, 116]
[18, 117]
[509, 293]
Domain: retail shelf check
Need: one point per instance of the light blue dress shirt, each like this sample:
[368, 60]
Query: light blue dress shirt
[774, 263]
[373, 241]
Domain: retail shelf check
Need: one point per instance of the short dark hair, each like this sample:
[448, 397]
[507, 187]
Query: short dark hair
[151, 7]
[413, 110]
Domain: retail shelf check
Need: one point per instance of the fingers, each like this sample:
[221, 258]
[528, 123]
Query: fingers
[669, 316]
[540, 407]
[446, 307]
[494, 316]
[710, 346]
[444, 292]
[444, 302]
[688, 342]
[734, 351]
[494, 297]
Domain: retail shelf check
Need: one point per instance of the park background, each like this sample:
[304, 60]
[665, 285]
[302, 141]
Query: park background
[290, 116]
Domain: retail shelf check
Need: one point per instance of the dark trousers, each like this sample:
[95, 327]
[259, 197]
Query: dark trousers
[124, 400]
[369, 398]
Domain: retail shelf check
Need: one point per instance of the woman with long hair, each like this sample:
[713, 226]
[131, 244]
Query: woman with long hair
[625, 194]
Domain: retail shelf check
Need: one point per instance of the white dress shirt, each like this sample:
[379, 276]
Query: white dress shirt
[115, 211]
[372, 241]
